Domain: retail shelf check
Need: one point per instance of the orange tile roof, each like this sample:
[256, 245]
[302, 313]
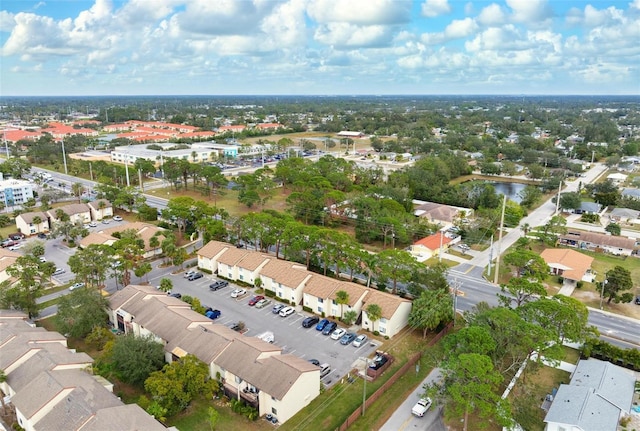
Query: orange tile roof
[573, 263]
[432, 242]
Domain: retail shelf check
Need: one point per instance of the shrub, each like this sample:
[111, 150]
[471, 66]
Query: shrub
[269, 293]
[98, 337]
[580, 284]
[307, 309]
[206, 271]
[376, 333]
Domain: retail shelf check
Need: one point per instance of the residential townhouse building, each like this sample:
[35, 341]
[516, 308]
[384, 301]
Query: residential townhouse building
[616, 245]
[51, 387]
[247, 367]
[285, 279]
[100, 209]
[78, 213]
[144, 231]
[240, 264]
[32, 223]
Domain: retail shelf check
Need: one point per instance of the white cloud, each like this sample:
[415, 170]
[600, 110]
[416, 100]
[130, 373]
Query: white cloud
[635, 4]
[348, 35]
[460, 28]
[7, 21]
[363, 12]
[530, 11]
[434, 8]
[492, 15]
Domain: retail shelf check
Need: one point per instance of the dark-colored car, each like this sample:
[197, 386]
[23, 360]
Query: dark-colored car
[213, 314]
[9, 243]
[42, 235]
[329, 328]
[637, 301]
[253, 301]
[235, 326]
[276, 308]
[195, 276]
[315, 362]
[16, 236]
[219, 284]
[176, 295]
[378, 362]
[321, 324]
[347, 338]
[310, 321]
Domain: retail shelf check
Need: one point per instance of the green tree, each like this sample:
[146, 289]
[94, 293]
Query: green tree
[562, 316]
[31, 276]
[3, 378]
[614, 229]
[178, 383]
[520, 291]
[80, 312]
[349, 317]
[617, 280]
[374, 312]
[212, 418]
[166, 284]
[527, 264]
[570, 201]
[398, 265]
[77, 189]
[135, 358]
[471, 339]
[90, 264]
[430, 310]
[342, 298]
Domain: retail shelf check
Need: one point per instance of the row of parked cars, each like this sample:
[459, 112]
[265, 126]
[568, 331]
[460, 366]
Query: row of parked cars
[331, 328]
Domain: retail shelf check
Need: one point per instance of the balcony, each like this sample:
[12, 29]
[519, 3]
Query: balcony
[247, 395]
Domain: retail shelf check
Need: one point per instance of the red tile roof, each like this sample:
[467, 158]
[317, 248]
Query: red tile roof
[432, 242]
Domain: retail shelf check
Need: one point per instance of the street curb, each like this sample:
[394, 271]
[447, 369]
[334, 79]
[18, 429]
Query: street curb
[610, 314]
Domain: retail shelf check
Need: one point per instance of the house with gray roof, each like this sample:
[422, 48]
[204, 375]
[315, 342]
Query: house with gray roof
[589, 208]
[630, 192]
[616, 245]
[597, 397]
[50, 389]
[624, 215]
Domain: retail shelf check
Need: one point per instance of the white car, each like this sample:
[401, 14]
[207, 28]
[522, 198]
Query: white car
[287, 311]
[360, 340]
[58, 271]
[93, 224]
[117, 218]
[76, 286]
[189, 273]
[338, 333]
[421, 407]
[42, 259]
[238, 293]
[16, 247]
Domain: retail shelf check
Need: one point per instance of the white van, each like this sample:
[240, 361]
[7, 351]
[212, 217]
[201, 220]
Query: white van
[324, 370]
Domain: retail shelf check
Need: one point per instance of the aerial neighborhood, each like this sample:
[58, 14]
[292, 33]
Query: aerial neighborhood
[254, 264]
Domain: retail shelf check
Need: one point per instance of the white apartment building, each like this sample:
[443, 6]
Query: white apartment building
[15, 192]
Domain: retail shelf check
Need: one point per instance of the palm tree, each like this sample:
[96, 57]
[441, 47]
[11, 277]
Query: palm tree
[342, 298]
[37, 220]
[526, 228]
[375, 313]
[77, 189]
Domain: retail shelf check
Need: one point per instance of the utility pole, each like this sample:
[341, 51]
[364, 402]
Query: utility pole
[64, 159]
[440, 254]
[495, 275]
[456, 285]
[558, 198]
[490, 254]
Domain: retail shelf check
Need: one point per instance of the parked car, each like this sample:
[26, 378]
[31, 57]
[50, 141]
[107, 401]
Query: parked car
[329, 328]
[117, 218]
[195, 276]
[421, 407]
[321, 324]
[213, 314]
[338, 333]
[360, 340]
[637, 301]
[315, 362]
[16, 247]
[238, 293]
[378, 361]
[310, 321]
[8, 243]
[253, 301]
[42, 235]
[175, 295]
[263, 303]
[42, 259]
[93, 224]
[76, 286]
[287, 311]
[217, 285]
[235, 326]
[189, 273]
[16, 236]
[347, 338]
[276, 308]
[105, 221]
[58, 271]
[324, 370]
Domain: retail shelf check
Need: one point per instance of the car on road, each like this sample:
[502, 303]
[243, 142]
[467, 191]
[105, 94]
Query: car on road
[276, 308]
[263, 303]
[58, 271]
[347, 338]
[218, 284]
[421, 407]
[321, 324]
[329, 328]
[195, 276]
[213, 314]
[93, 224]
[238, 293]
[253, 301]
[360, 340]
[287, 311]
[117, 218]
[76, 286]
[310, 321]
[637, 301]
[338, 333]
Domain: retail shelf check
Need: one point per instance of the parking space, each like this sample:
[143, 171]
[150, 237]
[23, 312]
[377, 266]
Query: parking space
[307, 343]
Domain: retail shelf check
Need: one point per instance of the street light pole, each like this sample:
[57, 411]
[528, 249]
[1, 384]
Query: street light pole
[64, 159]
[602, 291]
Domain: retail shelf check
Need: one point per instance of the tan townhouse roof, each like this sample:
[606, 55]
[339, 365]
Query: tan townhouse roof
[321, 286]
[28, 217]
[354, 291]
[143, 230]
[388, 303]
[7, 258]
[212, 248]
[97, 238]
[206, 343]
[600, 239]
[121, 297]
[280, 372]
[232, 256]
[70, 210]
[285, 273]
[96, 204]
[17, 345]
[252, 260]
[574, 264]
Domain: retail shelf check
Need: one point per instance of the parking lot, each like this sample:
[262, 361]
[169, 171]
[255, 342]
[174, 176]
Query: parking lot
[307, 343]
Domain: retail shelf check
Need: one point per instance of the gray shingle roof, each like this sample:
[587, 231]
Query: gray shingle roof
[583, 408]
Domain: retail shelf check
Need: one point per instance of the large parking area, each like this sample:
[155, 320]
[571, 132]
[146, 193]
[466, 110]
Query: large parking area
[307, 343]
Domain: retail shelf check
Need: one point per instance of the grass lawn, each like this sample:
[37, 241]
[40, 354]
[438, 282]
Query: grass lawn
[529, 393]
[195, 418]
[571, 355]
[435, 260]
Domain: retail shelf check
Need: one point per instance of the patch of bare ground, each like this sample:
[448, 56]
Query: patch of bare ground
[592, 299]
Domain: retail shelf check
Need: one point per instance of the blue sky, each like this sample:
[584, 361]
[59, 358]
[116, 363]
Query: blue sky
[324, 47]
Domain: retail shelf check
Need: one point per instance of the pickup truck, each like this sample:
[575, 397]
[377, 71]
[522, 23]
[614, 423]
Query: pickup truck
[421, 407]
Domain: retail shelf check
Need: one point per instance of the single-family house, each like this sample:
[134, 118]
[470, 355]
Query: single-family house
[395, 312]
[32, 223]
[571, 265]
[440, 214]
[248, 368]
[617, 178]
[430, 246]
[7, 258]
[100, 209]
[617, 245]
[76, 213]
[49, 385]
[597, 397]
[624, 215]
[589, 208]
[630, 192]
[285, 279]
